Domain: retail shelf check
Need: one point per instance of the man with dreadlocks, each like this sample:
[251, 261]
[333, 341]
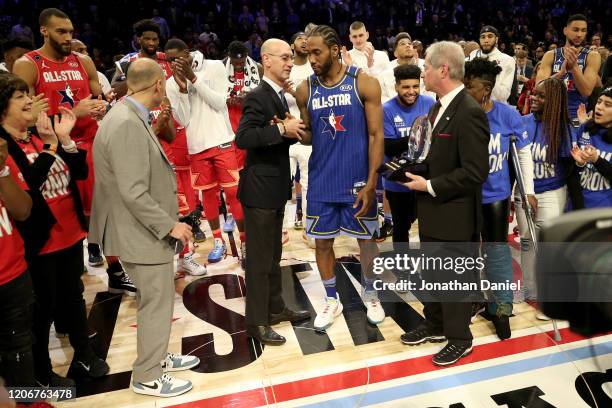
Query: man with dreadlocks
[548, 131]
[341, 108]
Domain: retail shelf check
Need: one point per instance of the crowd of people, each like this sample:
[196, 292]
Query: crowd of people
[131, 157]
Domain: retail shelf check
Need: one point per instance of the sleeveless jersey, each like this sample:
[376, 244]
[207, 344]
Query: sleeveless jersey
[574, 99]
[339, 161]
[64, 84]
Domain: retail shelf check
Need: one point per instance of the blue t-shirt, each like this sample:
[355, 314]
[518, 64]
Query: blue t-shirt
[339, 161]
[595, 187]
[398, 120]
[504, 121]
[546, 177]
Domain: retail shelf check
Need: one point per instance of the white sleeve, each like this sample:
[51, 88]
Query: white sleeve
[381, 61]
[387, 85]
[181, 107]
[526, 164]
[503, 85]
[104, 83]
[213, 92]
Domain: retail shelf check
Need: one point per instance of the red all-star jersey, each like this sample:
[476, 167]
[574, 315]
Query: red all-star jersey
[65, 84]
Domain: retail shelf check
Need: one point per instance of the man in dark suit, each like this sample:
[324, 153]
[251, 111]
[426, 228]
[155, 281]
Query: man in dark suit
[449, 201]
[266, 131]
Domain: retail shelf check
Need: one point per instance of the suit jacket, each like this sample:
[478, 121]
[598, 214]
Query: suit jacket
[134, 204]
[265, 181]
[458, 165]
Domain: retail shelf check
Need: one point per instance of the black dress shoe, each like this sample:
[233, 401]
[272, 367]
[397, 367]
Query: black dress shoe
[288, 315]
[265, 335]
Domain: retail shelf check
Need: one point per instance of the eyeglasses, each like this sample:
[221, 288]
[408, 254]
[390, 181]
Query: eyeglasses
[284, 57]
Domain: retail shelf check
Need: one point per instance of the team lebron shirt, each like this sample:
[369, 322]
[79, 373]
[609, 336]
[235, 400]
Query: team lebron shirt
[67, 230]
[12, 253]
[398, 120]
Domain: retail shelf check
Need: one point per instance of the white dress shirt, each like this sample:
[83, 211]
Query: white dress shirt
[203, 109]
[444, 102]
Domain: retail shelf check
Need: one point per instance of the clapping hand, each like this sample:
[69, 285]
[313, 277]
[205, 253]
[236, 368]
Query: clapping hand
[63, 125]
[45, 130]
[346, 57]
[583, 116]
[571, 57]
[39, 104]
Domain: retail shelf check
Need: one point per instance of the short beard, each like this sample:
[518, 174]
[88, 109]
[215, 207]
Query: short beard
[487, 52]
[148, 54]
[327, 67]
[57, 47]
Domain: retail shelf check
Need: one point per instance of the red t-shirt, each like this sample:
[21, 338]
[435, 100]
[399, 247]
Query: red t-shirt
[12, 253]
[65, 84]
[67, 230]
[235, 111]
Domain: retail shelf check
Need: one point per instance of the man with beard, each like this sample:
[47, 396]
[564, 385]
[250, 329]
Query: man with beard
[489, 36]
[148, 33]
[399, 114]
[340, 106]
[574, 64]
[299, 154]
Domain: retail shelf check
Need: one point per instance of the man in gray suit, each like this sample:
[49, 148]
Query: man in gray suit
[134, 217]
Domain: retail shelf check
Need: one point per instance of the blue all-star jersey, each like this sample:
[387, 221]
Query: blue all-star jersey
[595, 187]
[574, 99]
[546, 177]
[504, 121]
[397, 122]
[339, 161]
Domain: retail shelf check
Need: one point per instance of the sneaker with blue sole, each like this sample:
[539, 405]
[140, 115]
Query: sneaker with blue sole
[218, 252]
[228, 225]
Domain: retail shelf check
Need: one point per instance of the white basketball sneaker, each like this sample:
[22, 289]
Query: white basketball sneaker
[164, 386]
[189, 265]
[333, 307]
[376, 313]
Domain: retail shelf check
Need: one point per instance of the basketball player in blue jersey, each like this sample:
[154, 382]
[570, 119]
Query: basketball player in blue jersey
[341, 108]
[573, 64]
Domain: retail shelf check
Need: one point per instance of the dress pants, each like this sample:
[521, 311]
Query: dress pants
[155, 297]
[264, 234]
[450, 318]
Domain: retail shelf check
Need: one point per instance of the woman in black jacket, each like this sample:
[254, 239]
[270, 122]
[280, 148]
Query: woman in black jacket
[54, 233]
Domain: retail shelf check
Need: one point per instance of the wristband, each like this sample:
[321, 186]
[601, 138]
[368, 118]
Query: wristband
[70, 147]
[50, 147]
[6, 171]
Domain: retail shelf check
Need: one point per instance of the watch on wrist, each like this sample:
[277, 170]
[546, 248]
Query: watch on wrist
[50, 147]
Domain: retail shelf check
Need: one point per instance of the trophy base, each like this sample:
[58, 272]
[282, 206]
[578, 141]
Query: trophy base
[396, 170]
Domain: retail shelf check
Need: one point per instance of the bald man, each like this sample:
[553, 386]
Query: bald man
[141, 226]
[263, 190]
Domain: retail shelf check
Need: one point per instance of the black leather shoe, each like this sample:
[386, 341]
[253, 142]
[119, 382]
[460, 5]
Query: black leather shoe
[288, 315]
[265, 335]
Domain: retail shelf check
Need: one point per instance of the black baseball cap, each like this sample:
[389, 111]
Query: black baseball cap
[489, 29]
